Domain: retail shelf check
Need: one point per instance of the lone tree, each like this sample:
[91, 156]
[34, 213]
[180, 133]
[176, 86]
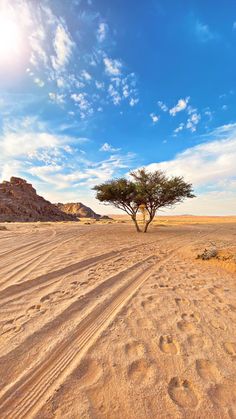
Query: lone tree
[146, 190]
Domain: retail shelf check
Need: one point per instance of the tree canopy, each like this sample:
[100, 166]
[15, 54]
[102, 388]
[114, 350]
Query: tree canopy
[149, 190]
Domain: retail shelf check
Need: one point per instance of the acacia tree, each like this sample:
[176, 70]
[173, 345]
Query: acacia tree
[151, 190]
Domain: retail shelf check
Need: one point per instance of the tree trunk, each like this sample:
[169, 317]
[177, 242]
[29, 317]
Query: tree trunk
[136, 224]
[147, 224]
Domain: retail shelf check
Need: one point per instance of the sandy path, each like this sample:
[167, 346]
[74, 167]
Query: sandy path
[124, 325]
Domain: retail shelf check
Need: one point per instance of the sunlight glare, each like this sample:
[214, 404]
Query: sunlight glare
[9, 37]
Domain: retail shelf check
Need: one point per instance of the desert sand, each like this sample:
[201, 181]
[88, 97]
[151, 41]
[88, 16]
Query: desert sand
[98, 321]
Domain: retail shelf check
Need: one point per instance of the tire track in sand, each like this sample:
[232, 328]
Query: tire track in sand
[27, 395]
[54, 276]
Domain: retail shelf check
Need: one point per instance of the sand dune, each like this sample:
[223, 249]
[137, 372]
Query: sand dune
[98, 321]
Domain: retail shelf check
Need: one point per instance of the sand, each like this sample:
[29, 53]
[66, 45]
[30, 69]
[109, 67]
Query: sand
[98, 321]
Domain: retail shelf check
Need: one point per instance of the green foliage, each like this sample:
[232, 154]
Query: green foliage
[152, 190]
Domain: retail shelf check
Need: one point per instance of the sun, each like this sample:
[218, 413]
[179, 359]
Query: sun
[10, 37]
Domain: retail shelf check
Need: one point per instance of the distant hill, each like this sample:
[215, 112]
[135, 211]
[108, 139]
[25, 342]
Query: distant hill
[80, 210]
[20, 202]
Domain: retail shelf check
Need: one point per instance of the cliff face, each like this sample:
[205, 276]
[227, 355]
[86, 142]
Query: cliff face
[20, 202]
[78, 209]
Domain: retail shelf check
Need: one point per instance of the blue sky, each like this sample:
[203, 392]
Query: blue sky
[91, 89]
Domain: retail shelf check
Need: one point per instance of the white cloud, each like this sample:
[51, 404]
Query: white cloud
[162, 106]
[133, 101]
[52, 47]
[114, 94]
[179, 128]
[211, 168]
[191, 110]
[102, 32]
[25, 143]
[112, 67]
[126, 92]
[86, 75]
[180, 106]
[99, 85]
[209, 114]
[203, 32]
[155, 118]
[57, 174]
[63, 46]
[81, 100]
[61, 82]
[193, 121]
[28, 136]
[57, 98]
[108, 147]
[38, 53]
[39, 82]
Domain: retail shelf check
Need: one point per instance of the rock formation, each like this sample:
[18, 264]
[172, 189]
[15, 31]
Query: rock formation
[20, 202]
[78, 209]
[81, 211]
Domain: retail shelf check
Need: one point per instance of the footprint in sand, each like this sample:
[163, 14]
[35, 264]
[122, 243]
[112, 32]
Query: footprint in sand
[88, 372]
[135, 349]
[230, 348]
[207, 370]
[11, 327]
[182, 302]
[144, 304]
[199, 341]
[52, 297]
[182, 393]
[147, 303]
[224, 394]
[142, 372]
[191, 317]
[144, 323]
[168, 345]
[84, 282]
[56, 296]
[35, 310]
[185, 326]
[74, 285]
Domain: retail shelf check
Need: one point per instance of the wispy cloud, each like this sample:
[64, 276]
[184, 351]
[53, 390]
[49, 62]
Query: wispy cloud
[210, 167]
[112, 66]
[108, 147]
[180, 106]
[123, 88]
[193, 121]
[133, 101]
[162, 106]
[57, 98]
[59, 65]
[56, 161]
[203, 32]
[63, 45]
[154, 118]
[81, 100]
[86, 76]
[102, 31]
[179, 128]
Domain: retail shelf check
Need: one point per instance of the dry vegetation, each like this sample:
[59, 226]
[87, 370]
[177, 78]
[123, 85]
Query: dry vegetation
[98, 321]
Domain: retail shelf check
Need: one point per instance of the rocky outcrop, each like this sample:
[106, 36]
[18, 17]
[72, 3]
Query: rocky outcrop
[20, 202]
[78, 209]
[81, 211]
